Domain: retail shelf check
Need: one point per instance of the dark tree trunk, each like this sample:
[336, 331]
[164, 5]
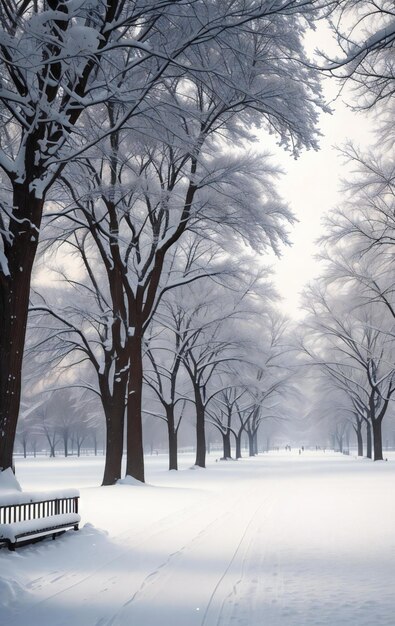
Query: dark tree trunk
[173, 450]
[134, 434]
[238, 445]
[172, 437]
[377, 440]
[79, 448]
[368, 440]
[226, 445]
[66, 445]
[200, 429]
[358, 432]
[14, 303]
[114, 450]
[52, 444]
[251, 444]
[255, 442]
[114, 411]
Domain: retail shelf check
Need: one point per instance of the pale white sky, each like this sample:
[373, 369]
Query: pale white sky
[312, 186]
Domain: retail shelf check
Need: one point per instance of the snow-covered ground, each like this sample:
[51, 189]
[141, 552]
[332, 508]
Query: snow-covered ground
[282, 539]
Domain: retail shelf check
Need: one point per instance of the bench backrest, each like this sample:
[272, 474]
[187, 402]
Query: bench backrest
[11, 513]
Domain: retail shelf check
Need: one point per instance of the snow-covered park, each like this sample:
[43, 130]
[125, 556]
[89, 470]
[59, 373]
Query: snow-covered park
[280, 539]
[158, 161]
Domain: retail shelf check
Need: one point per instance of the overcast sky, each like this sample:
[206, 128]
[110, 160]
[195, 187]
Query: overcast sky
[312, 186]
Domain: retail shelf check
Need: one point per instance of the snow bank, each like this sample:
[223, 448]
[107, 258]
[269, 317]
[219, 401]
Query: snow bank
[8, 482]
[129, 480]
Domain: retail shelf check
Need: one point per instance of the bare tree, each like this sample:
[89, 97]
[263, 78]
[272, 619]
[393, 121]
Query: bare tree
[339, 396]
[221, 417]
[28, 430]
[164, 371]
[209, 344]
[359, 349]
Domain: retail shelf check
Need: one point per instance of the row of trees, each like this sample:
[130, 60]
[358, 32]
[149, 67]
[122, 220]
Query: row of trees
[351, 308]
[217, 356]
[59, 419]
[127, 135]
[126, 127]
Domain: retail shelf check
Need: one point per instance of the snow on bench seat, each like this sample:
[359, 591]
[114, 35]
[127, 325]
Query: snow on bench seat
[13, 532]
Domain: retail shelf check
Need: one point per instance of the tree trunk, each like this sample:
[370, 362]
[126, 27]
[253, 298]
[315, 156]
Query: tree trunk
[238, 445]
[200, 429]
[134, 434]
[255, 440]
[173, 450]
[377, 440]
[14, 303]
[251, 444]
[368, 440]
[226, 445]
[347, 440]
[66, 445]
[114, 411]
[172, 437]
[358, 432]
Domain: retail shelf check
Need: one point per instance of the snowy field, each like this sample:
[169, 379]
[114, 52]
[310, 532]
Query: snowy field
[281, 539]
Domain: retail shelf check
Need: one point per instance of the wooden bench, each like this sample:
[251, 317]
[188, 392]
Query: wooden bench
[29, 517]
